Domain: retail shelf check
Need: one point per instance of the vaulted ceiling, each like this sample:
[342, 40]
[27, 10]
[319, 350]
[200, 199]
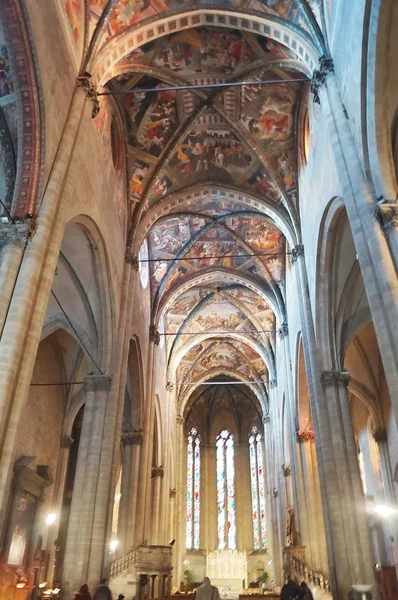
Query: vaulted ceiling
[212, 171]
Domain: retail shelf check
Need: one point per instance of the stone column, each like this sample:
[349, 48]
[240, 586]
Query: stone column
[179, 521]
[292, 485]
[90, 543]
[142, 523]
[373, 248]
[157, 475]
[131, 442]
[13, 241]
[353, 510]
[347, 536]
[27, 307]
[272, 518]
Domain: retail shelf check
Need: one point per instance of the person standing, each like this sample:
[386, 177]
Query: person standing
[290, 590]
[206, 591]
[103, 592]
[83, 593]
[305, 592]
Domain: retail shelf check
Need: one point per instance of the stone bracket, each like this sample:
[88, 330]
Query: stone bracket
[336, 378]
[283, 330]
[387, 215]
[296, 252]
[320, 75]
[154, 335]
[85, 82]
[98, 383]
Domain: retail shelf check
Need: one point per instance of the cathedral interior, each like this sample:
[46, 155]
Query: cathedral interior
[198, 297]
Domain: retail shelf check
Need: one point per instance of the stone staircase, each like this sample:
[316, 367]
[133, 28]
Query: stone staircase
[150, 565]
[318, 583]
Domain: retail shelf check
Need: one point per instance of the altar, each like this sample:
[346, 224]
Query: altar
[227, 569]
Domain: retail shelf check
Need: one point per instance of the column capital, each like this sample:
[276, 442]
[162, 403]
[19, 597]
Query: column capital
[266, 420]
[133, 437]
[98, 383]
[387, 215]
[157, 472]
[132, 260]
[320, 75]
[180, 420]
[169, 386]
[287, 471]
[283, 330]
[380, 435]
[336, 378]
[154, 335]
[14, 233]
[273, 383]
[296, 252]
[86, 83]
[172, 493]
[305, 435]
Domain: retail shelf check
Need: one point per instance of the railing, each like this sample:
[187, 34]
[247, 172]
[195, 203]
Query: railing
[121, 564]
[309, 574]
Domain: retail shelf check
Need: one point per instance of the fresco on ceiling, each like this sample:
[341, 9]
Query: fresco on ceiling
[214, 154]
[74, 10]
[211, 51]
[254, 304]
[219, 315]
[130, 12]
[8, 127]
[261, 183]
[219, 354]
[214, 247]
[141, 172]
[95, 9]
[151, 117]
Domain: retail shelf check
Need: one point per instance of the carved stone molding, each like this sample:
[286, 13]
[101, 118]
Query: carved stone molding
[296, 252]
[14, 234]
[133, 437]
[380, 435]
[336, 378]
[154, 335]
[85, 82]
[169, 386]
[98, 383]
[157, 471]
[29, 107]
[132, 260]
[283, 330]
[286, 470]
[320, 75]
[387, 216]
[172, 493]
[273, 383]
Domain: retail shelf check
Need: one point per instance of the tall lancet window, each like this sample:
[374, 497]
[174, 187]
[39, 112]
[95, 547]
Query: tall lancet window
[257, 486]
[193, 490]
[226, 521]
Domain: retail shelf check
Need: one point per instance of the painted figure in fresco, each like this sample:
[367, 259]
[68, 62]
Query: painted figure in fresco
[286, 171]
[136, 183]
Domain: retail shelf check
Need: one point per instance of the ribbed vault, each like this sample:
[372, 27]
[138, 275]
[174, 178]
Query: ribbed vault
[212, 171]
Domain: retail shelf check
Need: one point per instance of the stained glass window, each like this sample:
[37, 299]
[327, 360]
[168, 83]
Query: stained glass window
[257, 488]
[226, 519]
[193, 491]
